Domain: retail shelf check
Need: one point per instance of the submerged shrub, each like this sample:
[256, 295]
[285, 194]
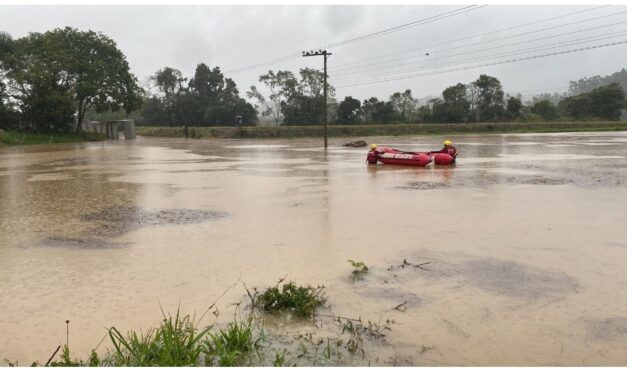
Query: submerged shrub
[359, 269]
[298, 300]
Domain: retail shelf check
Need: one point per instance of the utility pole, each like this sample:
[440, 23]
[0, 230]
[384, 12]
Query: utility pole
[325, 54]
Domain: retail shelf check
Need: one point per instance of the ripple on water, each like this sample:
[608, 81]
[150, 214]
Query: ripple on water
[614, 328]
[120, 220]
[80, 243]
[50, 177]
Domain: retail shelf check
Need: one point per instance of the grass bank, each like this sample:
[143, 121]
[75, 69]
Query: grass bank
[10, 138]
[379, 130]
[246, 340]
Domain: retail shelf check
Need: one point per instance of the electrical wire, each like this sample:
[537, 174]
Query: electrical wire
[490, 41]
[295, 55]
[479, 35]
[488, 64]
[589, 39]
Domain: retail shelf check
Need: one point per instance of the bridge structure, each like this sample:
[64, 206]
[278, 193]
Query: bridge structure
[112, 129]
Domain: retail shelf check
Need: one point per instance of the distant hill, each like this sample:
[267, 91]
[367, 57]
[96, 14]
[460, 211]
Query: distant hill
[590, 83]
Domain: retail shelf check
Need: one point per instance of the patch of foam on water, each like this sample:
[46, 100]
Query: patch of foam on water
[256, 146]
[49, 177]
[313, 167]
[505, 171]
[350, 151]
[596, 143]
[307, 149]
[538, 157]
[554, 157]
[524, 143]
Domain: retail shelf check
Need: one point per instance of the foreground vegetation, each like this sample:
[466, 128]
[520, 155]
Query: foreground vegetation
[9, 138]
[244, 341]
[379, 130]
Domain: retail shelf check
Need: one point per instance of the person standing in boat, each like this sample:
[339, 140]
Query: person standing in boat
[448, 149]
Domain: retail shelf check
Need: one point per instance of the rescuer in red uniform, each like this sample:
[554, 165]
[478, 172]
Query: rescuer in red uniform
[448, 149]
[373, 154]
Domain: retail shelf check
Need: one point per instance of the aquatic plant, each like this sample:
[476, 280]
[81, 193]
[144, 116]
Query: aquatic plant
[301, 301]
[359, 269]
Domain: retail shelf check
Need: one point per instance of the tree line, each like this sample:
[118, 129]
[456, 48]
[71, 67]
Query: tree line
[484, 100]
[207, 99]
[53, 81]
[48, 81]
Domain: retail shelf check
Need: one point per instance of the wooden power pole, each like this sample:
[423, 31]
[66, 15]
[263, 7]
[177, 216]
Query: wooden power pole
[325, 54]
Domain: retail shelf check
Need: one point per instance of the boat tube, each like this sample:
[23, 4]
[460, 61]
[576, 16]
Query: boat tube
[442, 159]
[398, 157]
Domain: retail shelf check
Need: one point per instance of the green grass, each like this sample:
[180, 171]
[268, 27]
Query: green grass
[10, 138]
[380, 130]
[177, 342]
[289, 298]
[230, 347]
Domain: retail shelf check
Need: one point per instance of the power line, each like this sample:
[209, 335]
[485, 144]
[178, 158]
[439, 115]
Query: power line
[477, 35]
[489, 64]
[295, 55]
[486, 49]
[490, 41]
[476, 59]
[407, 26]
[349, 74]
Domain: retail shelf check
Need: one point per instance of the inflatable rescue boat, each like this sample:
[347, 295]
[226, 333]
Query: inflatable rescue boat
[407, 158]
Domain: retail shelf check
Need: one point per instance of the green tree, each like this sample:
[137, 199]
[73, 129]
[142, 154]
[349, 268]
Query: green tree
[514, 108]
[84, 65]
[378, 112]
[404, 105]
[153, 112]
[424, 114]
[305, 105]
[489, 98]
[293, 101]
[4, 108]
[455, 107]
[349, 111]
[607, 102]
[170, 82]
[31, 70]
[577, 106]
[546, 109]
[282, 85]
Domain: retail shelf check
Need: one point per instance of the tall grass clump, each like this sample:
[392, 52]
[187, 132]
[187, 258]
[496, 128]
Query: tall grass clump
[301, 301]
[176, 342]
[232, 346]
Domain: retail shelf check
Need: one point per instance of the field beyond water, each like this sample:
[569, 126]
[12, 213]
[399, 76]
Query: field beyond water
[379, 130]
[10, 138]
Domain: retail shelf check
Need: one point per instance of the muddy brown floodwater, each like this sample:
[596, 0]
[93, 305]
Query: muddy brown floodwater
[524, 238]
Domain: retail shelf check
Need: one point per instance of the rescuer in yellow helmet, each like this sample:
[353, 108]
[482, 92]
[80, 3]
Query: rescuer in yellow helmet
[373, 154]
[448, 149]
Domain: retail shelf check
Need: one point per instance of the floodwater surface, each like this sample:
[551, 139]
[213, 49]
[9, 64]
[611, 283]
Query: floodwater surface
[521, 245]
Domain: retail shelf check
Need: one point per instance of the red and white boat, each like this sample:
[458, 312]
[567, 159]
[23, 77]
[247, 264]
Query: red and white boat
[407, 158]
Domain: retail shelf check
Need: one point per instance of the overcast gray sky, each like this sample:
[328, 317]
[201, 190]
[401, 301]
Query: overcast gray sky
[231, 37]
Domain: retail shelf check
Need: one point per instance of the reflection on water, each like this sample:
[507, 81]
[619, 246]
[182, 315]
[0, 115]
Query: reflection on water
[524, 240]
